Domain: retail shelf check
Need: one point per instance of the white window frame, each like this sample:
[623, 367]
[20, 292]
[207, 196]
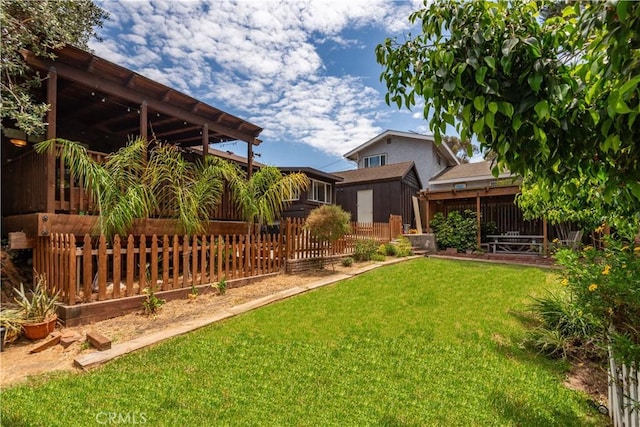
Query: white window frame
[328, 192]
[382, 160]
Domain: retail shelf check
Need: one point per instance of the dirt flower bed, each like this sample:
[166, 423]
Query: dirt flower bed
[17, 363]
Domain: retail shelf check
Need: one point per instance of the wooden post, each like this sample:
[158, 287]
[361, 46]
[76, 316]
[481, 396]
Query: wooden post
[478, 218]
[185, 261]
[130, 265]
[142, 262]
[143, 120]
[87, 268]
[176, 261]
[117, 268]
[102, 268]
[545, 237]
[165, 263]
[205, 141]
[154, 262]
[249, 160]
[52, 100]
[71, 292]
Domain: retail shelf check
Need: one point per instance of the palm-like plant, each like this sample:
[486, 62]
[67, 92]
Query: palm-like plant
[137, 182]
[262, 198]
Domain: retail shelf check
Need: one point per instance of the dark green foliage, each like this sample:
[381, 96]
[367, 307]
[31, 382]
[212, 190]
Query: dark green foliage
[38, 26]
[390, 249]
[456, 231]
[487, 228]
[564, 329]
[365, 249]
[347, 262]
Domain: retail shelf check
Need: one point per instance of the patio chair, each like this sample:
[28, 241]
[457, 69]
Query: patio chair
[573, 241]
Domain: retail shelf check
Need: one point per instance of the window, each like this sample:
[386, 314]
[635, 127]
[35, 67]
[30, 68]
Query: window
[320, 191]
[461, 186]
[295, 195]
[377, 160]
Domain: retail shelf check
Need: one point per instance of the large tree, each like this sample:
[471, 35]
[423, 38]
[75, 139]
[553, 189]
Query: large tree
[553, 95]
[38, 26]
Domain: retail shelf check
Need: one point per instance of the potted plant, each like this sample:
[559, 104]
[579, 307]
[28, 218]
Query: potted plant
[38, 312]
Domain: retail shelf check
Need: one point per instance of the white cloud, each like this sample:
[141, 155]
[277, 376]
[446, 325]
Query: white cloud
[259, 58]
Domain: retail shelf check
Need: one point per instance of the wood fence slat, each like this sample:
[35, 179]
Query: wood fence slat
[226, 253]
[212, 259]
[102, 268]
[220, 274]
[117, 264]
[154, 262]
[165, 263]
[203, 259]
[142, 263]
[194, 261]
[87, 268]
[131, 265]
[71, 256]
[185, 261]
[176, 261]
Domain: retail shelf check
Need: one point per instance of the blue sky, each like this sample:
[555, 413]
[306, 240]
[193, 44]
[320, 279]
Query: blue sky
[304, 71]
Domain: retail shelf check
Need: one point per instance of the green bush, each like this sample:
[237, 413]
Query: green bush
[378, 257]
[382, 249]
[390, 249]
[365, 249]
[564, 329]
[347, 262]
[605, 284]
[403, 247]
[456, 230]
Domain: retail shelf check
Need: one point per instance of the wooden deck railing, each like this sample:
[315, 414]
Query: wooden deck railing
[24, 184]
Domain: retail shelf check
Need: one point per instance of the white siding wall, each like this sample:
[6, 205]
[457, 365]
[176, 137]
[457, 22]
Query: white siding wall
[403, 149]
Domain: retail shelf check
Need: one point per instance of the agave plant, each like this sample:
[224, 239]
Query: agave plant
[40, 306]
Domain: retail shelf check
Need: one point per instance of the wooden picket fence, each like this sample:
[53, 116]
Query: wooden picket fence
[95, 270]
[301, 244]
[624, 394]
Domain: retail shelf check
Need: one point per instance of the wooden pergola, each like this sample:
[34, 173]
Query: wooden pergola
[102, 105]
[433, 200]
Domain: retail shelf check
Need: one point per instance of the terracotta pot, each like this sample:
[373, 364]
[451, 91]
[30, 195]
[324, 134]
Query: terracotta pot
[37, 331]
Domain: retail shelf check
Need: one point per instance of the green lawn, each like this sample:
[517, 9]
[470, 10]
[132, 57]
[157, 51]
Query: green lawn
[424, 342]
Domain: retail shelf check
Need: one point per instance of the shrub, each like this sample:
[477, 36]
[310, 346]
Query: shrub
[564, 330]
[365, 249]
[328, 222]
[152, 303]
[390, 249]
[605, 284]
[402, 247]
[347, 262]
[378, 257]
[382, 249]
[456, 231]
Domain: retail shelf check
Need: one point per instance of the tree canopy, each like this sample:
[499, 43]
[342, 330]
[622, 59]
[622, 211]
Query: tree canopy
[38, 26]
[553, 95]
